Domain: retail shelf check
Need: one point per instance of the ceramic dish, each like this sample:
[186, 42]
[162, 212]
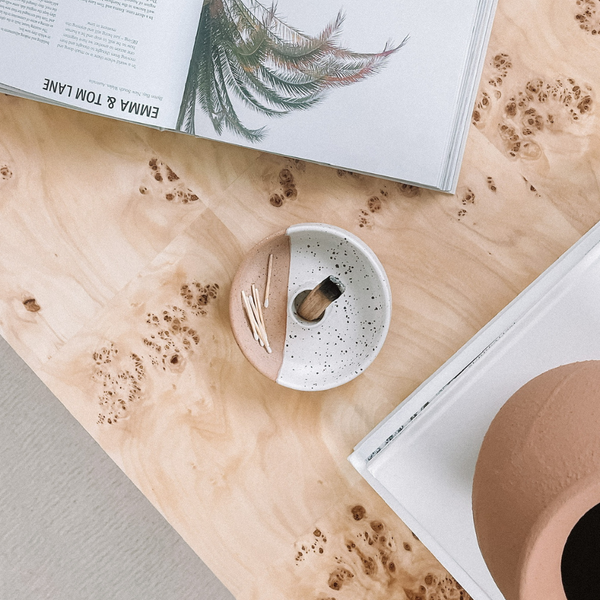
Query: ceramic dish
[343, 343]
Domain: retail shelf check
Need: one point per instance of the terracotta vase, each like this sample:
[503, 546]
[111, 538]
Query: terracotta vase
[536, 488]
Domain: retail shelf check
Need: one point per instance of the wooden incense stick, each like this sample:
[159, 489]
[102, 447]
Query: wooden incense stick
[256, 297]
[254, 301]
[249, 315]
[262, 332]
[314, 305]
[268, 284]
[257, 330]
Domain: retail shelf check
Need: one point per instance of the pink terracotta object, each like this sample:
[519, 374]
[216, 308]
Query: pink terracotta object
[537, 475]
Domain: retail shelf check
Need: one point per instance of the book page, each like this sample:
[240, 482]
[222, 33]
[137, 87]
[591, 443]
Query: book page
[123, 58]
[374, 91]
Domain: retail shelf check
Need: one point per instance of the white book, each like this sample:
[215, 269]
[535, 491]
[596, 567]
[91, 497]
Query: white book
[384, 88]
[421, 458]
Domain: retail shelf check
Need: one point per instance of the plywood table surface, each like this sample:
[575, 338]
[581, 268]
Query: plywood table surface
[118, 245]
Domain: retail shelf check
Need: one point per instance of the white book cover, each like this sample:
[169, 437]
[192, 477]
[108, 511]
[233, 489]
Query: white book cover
[421, 458]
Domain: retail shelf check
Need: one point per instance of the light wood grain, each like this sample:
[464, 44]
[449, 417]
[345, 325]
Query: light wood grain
[82, 211]
[114, 287]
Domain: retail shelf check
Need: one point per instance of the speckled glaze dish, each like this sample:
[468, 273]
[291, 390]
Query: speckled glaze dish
[345, 341]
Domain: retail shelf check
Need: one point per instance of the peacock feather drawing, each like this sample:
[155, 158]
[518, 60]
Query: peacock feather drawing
[245, 54]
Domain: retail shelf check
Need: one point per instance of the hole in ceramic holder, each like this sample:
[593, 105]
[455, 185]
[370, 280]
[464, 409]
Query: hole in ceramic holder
[296, 302]
[581, 557]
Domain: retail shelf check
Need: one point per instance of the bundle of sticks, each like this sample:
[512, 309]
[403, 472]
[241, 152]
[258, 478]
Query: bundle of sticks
[253, 307]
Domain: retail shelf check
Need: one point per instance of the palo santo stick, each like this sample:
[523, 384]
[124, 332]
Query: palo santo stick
[314, 305]
[268, 285]
[249, 315]
[262, 332]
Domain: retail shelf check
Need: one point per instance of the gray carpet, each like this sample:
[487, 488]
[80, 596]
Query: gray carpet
[72, 526]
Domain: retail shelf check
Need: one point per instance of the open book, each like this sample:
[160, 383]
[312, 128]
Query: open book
[384, 88]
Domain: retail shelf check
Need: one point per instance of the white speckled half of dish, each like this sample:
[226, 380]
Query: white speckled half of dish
[333, 351]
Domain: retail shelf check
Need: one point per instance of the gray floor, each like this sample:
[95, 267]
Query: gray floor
[72, 526]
